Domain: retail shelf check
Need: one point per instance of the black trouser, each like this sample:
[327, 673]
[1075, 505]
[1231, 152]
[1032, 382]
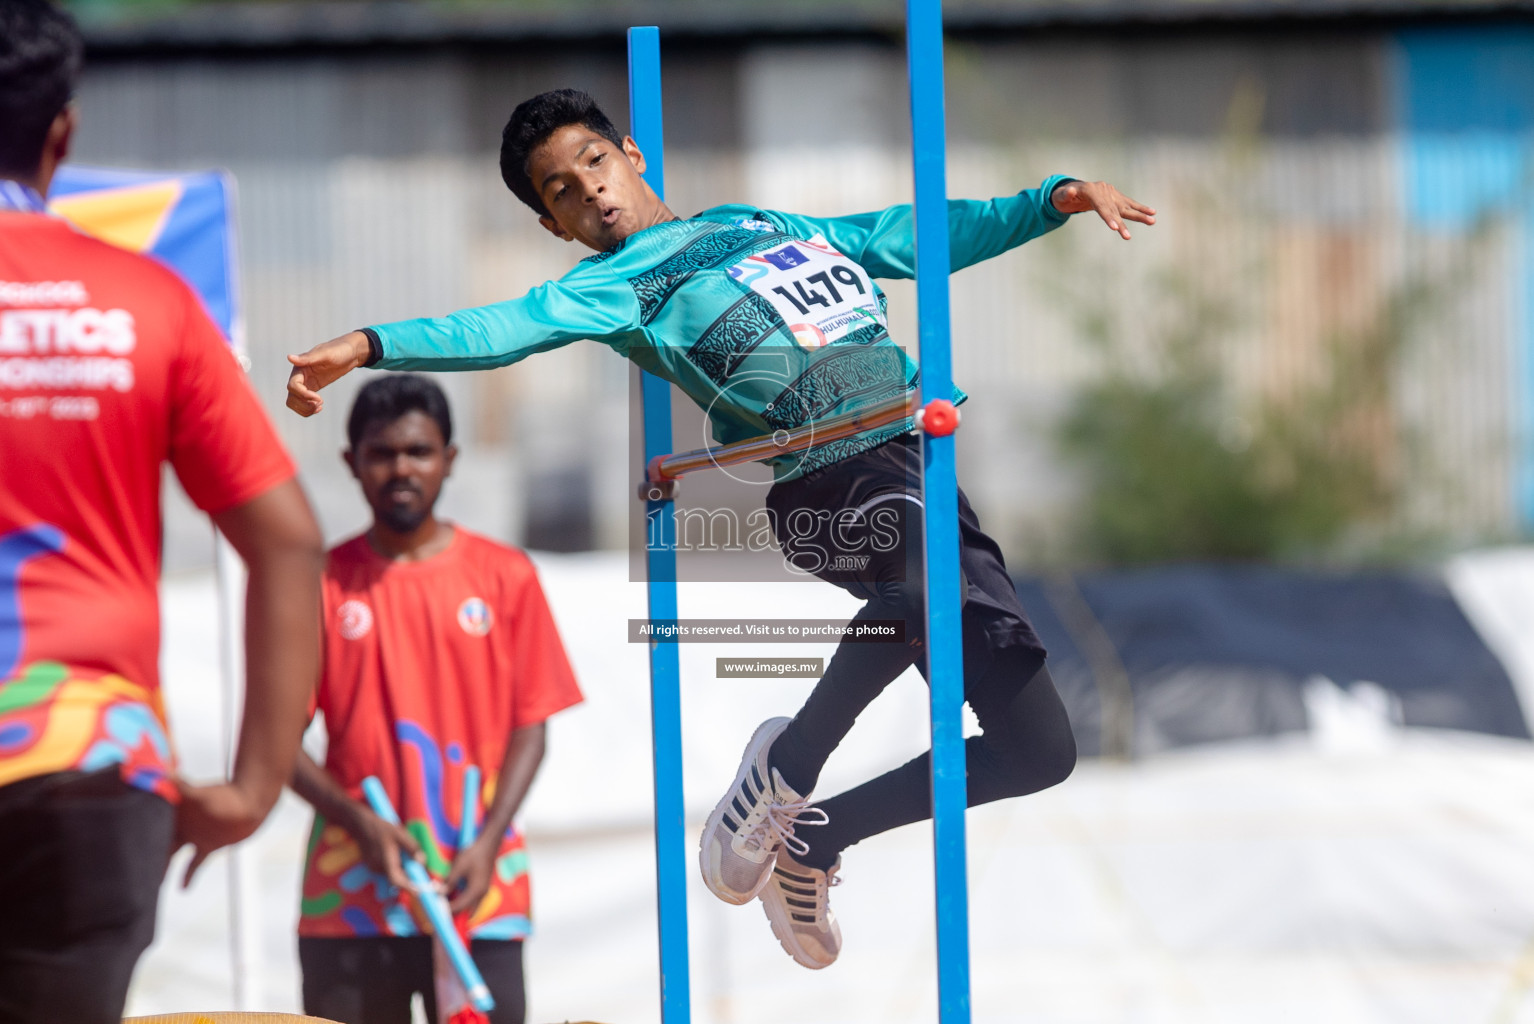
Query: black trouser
[81, 861]
[1026, 745]
[371, 980]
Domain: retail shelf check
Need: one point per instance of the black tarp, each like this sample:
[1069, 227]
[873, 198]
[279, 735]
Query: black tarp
[1222, 652]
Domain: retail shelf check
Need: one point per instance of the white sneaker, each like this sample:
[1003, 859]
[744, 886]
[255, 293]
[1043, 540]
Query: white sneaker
[799, 908]
[752, 821]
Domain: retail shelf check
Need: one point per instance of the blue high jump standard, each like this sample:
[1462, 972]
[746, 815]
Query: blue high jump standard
[924, 58]
[671, 860]
[924, 42]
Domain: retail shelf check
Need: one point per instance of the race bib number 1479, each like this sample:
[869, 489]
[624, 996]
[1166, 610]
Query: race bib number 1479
[820, 294]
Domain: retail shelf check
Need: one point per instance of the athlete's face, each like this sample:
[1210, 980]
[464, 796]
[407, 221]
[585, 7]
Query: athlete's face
[401, 465]
[592, 188]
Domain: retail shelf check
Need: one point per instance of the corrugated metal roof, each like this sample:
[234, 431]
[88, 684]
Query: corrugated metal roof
[281, 23]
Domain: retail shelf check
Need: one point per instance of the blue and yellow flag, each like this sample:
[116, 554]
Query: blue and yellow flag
[186, 220]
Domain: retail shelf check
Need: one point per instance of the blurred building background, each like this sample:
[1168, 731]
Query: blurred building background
[1331, 322]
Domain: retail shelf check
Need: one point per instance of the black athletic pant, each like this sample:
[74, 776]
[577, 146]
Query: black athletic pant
[1026, 743]
[81, 861]
[371, 980]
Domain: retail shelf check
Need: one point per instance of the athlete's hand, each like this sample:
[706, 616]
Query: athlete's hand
[382, 844]
[211, 817]
[323, 365]
[1113, 206]
[469, 880]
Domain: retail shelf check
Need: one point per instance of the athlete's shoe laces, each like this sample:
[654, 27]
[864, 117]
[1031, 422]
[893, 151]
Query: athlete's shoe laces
[777, 825]
[797, 901]
[753, 820]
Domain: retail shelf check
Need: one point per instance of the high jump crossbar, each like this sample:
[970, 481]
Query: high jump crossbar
[924, 53]
[662, 472]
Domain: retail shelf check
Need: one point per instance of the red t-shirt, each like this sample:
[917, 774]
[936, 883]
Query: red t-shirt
[428, 668]
[108, 368]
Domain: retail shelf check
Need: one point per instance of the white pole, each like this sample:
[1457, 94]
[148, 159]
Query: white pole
[244, 905]
[245, 962]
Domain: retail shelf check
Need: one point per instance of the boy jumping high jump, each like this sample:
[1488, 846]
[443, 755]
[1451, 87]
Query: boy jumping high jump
[770, 321]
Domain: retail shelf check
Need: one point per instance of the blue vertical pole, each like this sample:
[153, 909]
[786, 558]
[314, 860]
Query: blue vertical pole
[924, 50]
[660, 565]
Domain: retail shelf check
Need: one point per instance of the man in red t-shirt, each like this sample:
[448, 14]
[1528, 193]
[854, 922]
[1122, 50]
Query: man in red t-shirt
[439, 654]
[109, 368]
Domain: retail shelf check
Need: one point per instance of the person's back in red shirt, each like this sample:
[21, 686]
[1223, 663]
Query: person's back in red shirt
[109, 368]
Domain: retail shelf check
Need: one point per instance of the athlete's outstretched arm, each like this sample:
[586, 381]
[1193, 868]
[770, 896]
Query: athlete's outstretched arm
[589, 302]
[884, 241]
[275, 533]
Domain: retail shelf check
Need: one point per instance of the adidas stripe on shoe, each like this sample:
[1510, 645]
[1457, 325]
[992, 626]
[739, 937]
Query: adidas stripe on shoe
[753, 820]
[798, 906]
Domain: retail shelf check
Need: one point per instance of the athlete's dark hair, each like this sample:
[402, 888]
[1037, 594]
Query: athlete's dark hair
[40, 53]
[385, 399]
[530, 126]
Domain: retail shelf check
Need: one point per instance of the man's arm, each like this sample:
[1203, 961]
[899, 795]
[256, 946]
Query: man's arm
[884, 241]
[275, 533]
[589, 302]
[472, 867]
[379, 840]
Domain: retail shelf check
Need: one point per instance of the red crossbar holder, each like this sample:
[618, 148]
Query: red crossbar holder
[938, 417]
[654, 486]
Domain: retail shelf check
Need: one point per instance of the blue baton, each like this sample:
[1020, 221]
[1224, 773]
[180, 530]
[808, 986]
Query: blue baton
[436, 908]
[468, 825]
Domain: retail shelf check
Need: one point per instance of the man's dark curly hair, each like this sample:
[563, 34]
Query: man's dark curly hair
[40, 54]
[530, 126]
[385, 399]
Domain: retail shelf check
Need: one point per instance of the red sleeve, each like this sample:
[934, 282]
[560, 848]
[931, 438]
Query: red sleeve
[545, 682]
[222, 445]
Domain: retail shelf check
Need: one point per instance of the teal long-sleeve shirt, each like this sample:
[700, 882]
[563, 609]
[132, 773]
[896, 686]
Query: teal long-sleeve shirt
[766, 320]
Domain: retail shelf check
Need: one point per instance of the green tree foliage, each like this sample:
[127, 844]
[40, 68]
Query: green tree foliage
[1178, 466]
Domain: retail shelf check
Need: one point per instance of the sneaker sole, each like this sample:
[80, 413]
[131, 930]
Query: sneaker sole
[783, 931]
[716, 820]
